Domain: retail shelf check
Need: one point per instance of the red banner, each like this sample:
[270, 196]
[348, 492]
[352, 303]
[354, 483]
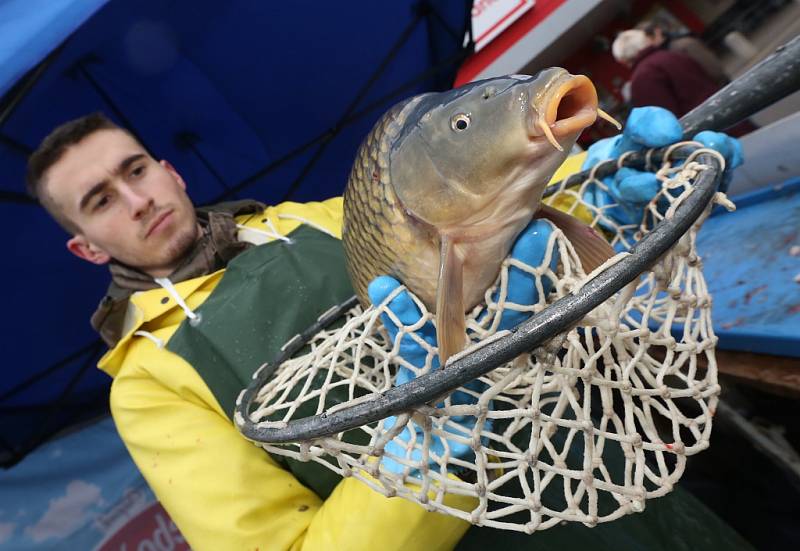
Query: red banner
[150, 530]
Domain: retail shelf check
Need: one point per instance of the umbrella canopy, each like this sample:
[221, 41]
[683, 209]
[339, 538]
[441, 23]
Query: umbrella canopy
[268, 100]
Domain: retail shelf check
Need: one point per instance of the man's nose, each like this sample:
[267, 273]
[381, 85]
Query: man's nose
[139, 203]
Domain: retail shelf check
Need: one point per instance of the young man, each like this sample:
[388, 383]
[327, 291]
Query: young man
[194, 308]
[171, 407]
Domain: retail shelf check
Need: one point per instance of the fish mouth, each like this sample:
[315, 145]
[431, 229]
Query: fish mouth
[570, 106]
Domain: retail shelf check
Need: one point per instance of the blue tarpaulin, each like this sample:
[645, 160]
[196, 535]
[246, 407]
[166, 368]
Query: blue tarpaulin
[31, 29]
[60, 497]
[751, 260]
[267, 100]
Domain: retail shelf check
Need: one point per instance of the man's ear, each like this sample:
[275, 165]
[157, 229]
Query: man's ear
[171, 169]
[82, 248]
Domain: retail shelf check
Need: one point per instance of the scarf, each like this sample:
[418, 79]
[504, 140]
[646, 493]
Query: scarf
[216, 245]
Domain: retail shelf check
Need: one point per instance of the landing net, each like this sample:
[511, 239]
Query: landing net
[585, 428]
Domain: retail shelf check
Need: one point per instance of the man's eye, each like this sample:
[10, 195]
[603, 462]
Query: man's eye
[101, 202]
[138, 171]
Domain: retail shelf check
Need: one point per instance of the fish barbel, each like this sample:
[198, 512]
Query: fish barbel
[445, 182]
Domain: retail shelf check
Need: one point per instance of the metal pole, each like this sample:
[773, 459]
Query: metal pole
[772, 79]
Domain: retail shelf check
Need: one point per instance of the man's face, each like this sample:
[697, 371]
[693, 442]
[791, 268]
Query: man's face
[658, 38]
[126, 205]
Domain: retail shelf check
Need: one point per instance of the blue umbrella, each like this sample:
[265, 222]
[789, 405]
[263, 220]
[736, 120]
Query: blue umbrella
[268, 100]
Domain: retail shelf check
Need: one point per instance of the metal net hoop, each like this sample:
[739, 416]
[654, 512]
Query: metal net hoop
[584, 428]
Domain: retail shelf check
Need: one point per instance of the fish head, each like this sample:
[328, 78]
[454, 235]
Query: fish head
[459, 150]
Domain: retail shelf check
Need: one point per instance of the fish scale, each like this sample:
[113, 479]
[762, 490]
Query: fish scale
[372, 211]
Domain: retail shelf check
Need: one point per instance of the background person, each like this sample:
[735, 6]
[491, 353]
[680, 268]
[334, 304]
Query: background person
[661, 77]
[661, 36]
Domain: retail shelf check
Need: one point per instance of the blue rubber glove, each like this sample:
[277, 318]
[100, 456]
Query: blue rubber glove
[631, 190]
[529, 248]
[730, 148]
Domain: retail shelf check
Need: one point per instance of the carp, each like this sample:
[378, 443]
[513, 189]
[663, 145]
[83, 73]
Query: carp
[445, 182]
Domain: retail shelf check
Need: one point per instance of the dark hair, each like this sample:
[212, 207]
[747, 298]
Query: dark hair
[52, 149]
[650, 27]
[658, 22]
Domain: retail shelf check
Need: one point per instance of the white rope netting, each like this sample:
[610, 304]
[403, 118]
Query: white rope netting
[584, 429]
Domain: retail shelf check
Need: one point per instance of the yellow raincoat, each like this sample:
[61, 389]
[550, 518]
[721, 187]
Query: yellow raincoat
[222, 491]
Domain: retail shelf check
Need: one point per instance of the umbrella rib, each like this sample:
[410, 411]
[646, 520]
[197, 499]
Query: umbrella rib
[56, 406]
[50, 370]
[14, 96]
[349, 117]
[106, 97]
[398, 44]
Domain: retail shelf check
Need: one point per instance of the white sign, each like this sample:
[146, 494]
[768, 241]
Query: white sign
[491, 17]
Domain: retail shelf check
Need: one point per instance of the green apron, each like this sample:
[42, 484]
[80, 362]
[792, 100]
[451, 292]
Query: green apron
[247, 319]
[268, 294]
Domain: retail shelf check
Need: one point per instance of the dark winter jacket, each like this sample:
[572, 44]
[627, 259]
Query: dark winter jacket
[669, 79]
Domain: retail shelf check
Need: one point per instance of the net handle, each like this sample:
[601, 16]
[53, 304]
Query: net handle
[553, 320]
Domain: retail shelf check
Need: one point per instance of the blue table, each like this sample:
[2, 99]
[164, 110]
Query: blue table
[751, 261]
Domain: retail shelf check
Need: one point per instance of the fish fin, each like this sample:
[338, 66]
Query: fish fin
[591, 247]
[451, 328]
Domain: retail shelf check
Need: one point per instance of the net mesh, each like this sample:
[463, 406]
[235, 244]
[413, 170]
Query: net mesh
[584, 429]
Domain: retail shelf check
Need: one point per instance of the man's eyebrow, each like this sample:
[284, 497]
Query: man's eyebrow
[98, 187]
[128, 161]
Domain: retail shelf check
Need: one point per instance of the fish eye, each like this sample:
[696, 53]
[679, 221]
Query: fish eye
[460, 122]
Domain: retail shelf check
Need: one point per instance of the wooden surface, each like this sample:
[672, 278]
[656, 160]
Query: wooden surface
[779, 374]
[776, 374]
